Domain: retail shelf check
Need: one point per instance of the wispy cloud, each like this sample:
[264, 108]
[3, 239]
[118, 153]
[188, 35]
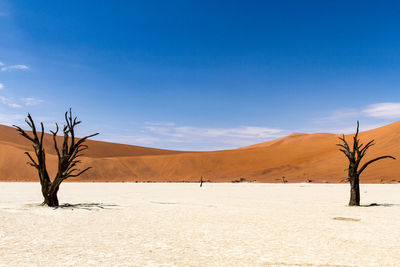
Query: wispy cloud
[10, 119]
[28, 102]
[389, 110]
[344, 120]
[246, 132]
[337, 116]
[174, 136]
[14, 67]
[9, 102]
[131, 139]
[342, 114]
[165, 123]
[169, 135]
[14, 105]
[226, 137]
[348, 128]
[240, 132]
[31, 101]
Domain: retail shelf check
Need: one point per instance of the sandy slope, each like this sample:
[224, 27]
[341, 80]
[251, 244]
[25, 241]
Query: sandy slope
[185, 225]
[8, 135]
[298, 157]
[292, 139]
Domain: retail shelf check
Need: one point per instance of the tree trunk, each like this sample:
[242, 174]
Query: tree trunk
[50, 197]
[51, 200]
[67, 156]
[354, 191]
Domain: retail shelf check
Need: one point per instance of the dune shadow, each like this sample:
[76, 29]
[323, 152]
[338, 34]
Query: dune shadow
[87, 206]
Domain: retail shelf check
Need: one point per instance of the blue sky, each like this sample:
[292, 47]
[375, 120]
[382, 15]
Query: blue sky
[201, 75]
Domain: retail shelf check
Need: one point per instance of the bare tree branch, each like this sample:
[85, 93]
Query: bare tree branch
[67, 157]
[355, 156]
[372, 161]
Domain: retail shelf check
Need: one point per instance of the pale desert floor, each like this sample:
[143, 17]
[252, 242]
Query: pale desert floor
[185, 225]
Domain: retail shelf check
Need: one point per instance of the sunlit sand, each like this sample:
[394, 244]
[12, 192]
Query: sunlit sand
[244, 224]
[298, 157]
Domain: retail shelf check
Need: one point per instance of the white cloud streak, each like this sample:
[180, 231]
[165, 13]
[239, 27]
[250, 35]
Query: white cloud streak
[132, 139]
[1, 86]
[31, 101]
[14, 67]
[348, 128]
[11, 119]
[8, 101]
[389, 110]
[14, 105]
[168, 135]
[229, 137]
[173, 136]
[28, 102]
[160, 123]
[246, 132]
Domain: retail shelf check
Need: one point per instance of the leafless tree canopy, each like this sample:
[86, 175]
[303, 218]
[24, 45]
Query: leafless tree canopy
[355, 155]
[68, 154]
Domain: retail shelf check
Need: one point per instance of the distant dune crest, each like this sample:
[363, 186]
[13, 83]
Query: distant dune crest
[292, 138]
[298, 157]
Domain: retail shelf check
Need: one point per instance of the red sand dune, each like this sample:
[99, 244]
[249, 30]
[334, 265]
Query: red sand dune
[298, 157]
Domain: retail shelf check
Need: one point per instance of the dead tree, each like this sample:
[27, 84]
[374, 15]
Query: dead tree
[355, 156]
[67, 156]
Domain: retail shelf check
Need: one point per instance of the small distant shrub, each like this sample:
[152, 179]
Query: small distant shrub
[241, 180]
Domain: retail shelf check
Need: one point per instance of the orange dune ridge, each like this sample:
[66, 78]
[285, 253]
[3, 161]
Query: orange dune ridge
[297, 157]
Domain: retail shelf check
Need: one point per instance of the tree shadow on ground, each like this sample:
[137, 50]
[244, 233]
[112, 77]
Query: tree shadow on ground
[379, 205]
[346, 219]
[87, 206]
